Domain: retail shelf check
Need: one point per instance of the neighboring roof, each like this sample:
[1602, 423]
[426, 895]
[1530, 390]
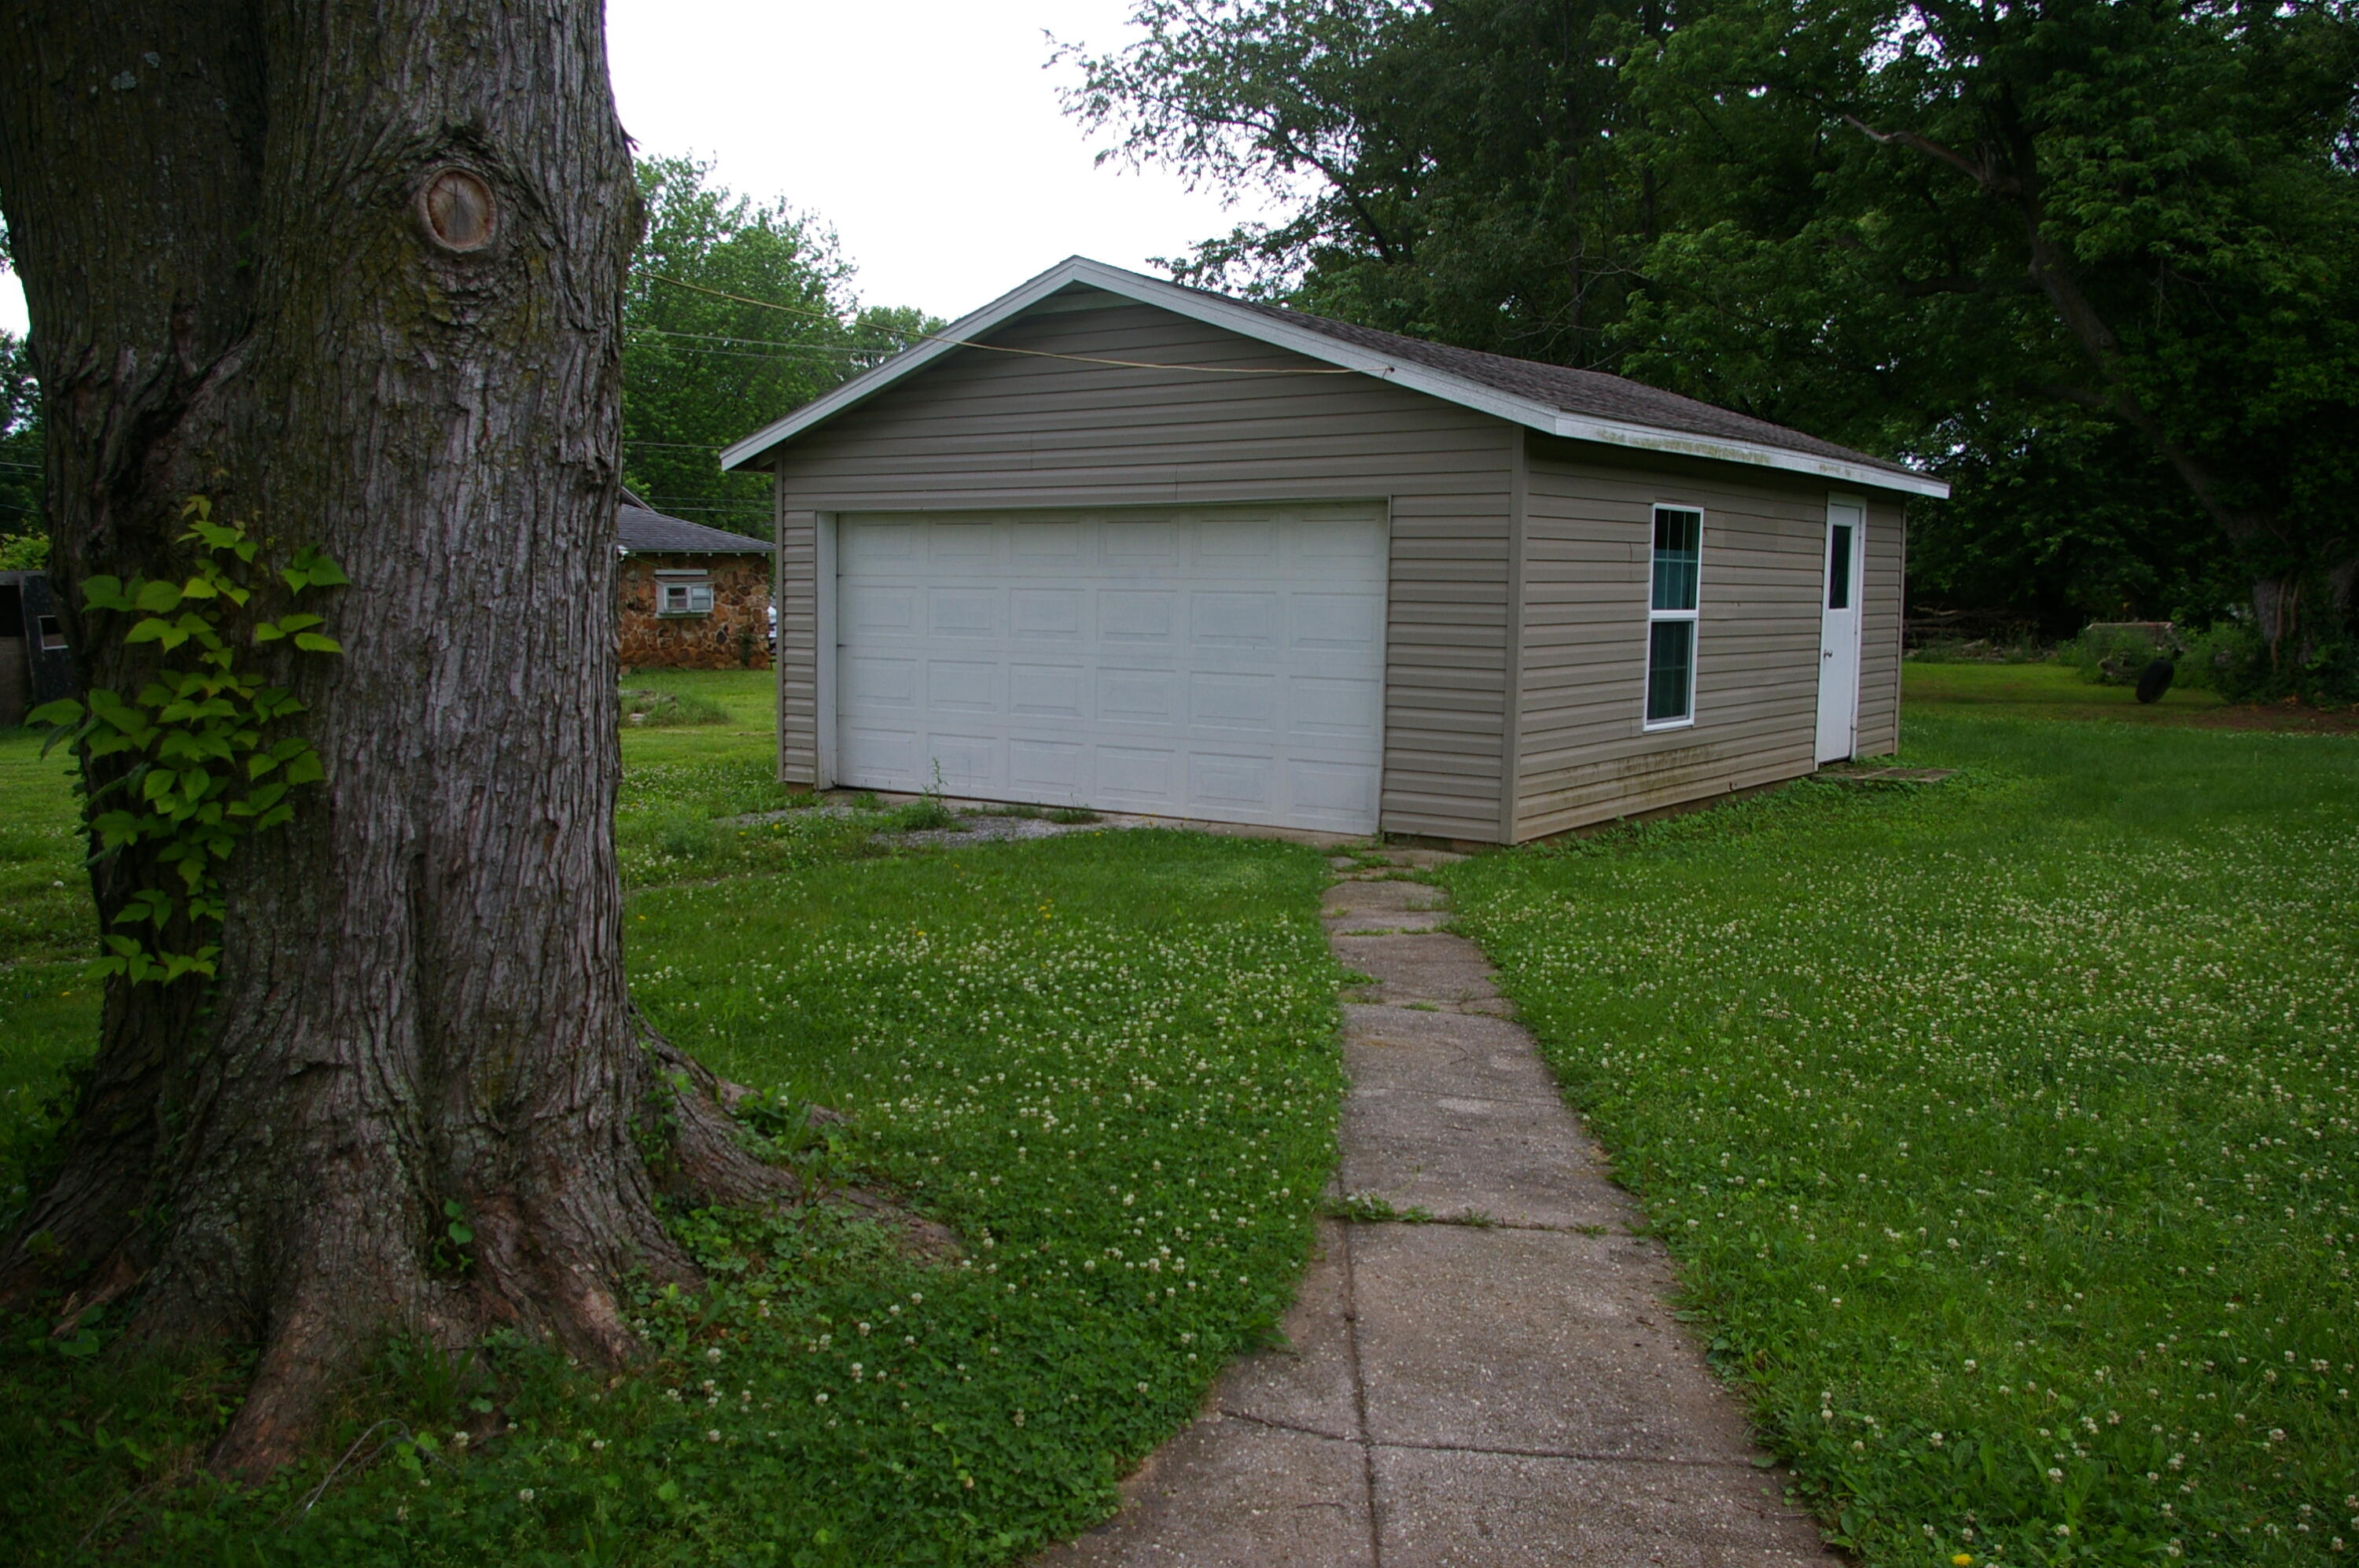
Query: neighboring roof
[1584, 405]
[643, 530]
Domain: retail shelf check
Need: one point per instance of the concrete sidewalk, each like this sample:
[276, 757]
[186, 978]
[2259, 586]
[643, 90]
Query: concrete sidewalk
[1506, 1389]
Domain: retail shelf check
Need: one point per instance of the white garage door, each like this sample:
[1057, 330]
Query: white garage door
[1219, 663]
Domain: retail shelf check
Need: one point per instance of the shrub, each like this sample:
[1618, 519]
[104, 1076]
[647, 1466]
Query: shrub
[2113, 653]
[2231, 659]
[23, 552]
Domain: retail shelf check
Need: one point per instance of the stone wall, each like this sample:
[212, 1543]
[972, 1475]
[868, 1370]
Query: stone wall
[735, 636]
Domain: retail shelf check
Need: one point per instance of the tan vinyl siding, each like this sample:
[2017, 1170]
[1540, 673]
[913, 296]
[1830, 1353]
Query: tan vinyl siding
[1583, 755]
[798, 644]
[1880, 603]
[987, 432]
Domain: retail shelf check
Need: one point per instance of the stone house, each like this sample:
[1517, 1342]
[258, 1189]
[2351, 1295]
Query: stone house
[688, 596]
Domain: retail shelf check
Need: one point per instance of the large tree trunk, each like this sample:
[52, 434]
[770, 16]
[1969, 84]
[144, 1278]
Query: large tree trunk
[239, 286]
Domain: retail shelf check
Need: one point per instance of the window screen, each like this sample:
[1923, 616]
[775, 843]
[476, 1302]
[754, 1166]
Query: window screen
[1672, 615]
[1839, 567]
[682, 594]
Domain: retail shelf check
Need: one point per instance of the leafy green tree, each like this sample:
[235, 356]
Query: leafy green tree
[20, 454]
[1461, 171]
[1982, 214]
[736, 313]
[2095, 253]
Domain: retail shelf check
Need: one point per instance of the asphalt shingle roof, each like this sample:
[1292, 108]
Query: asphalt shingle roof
[1590, 394]
[640, 528]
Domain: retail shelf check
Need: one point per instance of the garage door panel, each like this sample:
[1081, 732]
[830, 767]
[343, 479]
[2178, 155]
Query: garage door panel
[1235, 783]
[1141, 775]
[1334, 710]
[1337, 622]
[1138, 696]
[969, 762]
[1343, 794]
[959, 546]
[877, 546]
[1237, 544]
[1056, 767]
[1234, 621]
[873, 682]
[1139, 544]
[1234, 701]
[1137, 615]
[1052, 545]
[1048, 615]
[883, 756]
[872, 610]
[1048, 690]
[962, 685]
[963, 612]
[1224, 663]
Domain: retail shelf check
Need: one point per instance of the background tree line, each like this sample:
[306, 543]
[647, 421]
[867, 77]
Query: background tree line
[2089, 261]
[700, 370]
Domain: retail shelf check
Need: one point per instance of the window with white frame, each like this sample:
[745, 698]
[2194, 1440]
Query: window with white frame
[1671, 617]
[683, 593]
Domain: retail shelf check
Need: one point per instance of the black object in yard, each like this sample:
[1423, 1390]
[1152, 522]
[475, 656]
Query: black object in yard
[2155, 679]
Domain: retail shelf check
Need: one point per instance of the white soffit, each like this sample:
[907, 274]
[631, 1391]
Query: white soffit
[1214, 311]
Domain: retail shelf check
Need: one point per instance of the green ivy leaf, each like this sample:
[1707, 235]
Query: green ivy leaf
[312, 642]
[158, 598]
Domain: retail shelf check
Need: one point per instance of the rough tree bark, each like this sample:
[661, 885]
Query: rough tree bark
[240, 286]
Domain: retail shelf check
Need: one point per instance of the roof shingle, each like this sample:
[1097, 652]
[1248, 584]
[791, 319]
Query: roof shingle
[641, 529]
[1588, 394]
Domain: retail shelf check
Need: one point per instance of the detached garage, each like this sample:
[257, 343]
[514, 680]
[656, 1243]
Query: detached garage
[1114, 542]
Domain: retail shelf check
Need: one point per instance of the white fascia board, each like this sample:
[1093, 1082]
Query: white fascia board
[1650, 437]
[1214, 311]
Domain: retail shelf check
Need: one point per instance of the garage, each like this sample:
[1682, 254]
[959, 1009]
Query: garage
[1112, 543]
[1224, 663]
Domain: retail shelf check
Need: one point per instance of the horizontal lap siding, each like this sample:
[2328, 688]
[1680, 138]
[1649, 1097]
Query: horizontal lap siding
[980, 431]
[798, 651]
[1583, 755]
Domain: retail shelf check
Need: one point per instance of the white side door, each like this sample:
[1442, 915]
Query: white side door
[1838, 631]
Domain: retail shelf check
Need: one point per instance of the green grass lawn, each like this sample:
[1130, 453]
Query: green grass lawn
[2004, 1128]
[2048, 691]
[1108, 1060]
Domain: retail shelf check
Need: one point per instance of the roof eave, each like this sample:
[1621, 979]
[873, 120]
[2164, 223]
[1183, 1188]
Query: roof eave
[1212, 311]
[1649, 438]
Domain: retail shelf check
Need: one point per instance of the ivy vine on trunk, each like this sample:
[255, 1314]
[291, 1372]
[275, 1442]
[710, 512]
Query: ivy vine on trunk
[356, 269]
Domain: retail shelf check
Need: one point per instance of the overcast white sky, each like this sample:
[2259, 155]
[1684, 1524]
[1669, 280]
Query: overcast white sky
[925, 131]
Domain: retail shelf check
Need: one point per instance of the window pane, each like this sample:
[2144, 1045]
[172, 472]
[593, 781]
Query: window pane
[1671, 670]
[1839, 567]
[1678, 537]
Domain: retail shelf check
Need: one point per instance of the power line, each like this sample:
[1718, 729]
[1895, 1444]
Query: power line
[995, 348]
[762, 342]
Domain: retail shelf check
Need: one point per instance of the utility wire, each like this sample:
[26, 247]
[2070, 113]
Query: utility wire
[997, 348]
[763, 343]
